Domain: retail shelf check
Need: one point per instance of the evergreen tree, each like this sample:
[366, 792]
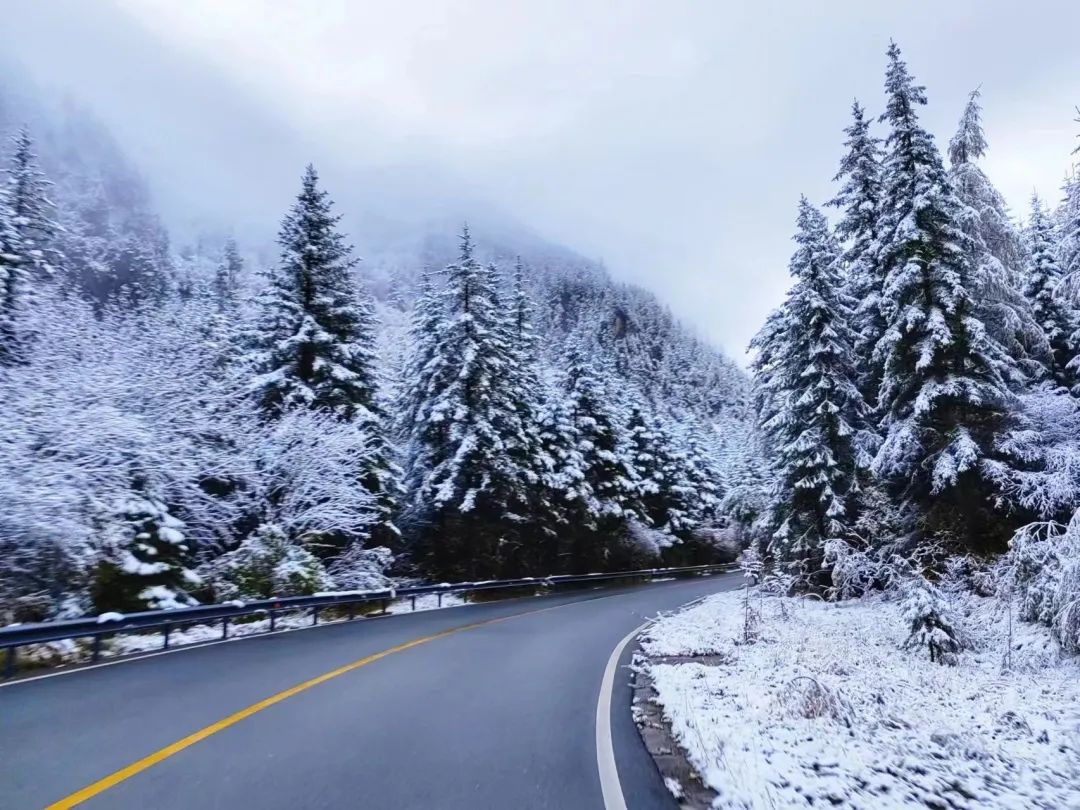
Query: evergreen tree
[860, 201]
[600, 484]
[531, 507]
[1068, 231]
[1052, 312]
[997, 252]
[227, 277]
[314, 342]
[15, 289]
[944, 397]
[460, 475]
[666, 488]
[812, 409]
[34, 213]
[150, 567]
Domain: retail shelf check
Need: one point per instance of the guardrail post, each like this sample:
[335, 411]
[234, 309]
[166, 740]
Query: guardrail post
[439, 594]
[9, 667]
[224, 628]
[412, 600]
[385, 605]
[165, 632]
[95, 650]
[273, 617]
[314, 615]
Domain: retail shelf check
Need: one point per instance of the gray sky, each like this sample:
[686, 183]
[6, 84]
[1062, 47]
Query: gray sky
[670, 139]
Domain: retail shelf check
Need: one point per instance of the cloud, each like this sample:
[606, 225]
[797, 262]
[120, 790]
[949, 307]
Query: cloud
[670, 139]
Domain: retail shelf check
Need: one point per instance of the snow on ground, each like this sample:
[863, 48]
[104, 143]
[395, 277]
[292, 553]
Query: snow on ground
[71, 651]
[824, 709]
[426, 602]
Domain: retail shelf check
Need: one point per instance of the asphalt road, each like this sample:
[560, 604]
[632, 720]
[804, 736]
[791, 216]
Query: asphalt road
[497, 715]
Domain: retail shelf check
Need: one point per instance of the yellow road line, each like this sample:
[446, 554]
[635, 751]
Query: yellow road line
[113, 779]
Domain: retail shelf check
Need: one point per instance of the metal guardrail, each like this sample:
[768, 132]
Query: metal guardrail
[98, 628]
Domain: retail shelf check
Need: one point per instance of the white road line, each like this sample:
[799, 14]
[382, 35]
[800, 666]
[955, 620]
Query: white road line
[605, 749]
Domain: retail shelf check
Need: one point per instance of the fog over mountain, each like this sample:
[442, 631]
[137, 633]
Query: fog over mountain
[666, 141]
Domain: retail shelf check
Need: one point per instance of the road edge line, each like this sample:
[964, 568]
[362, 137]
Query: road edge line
[610, 786]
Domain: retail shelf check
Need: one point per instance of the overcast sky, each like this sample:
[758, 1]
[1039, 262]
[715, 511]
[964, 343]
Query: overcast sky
[670, 139]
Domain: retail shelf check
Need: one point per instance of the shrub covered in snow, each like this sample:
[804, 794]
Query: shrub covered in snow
[931, 623]
[361, 569]
[723, 542]
[642, 544]
[1042, 572]
[267, 563]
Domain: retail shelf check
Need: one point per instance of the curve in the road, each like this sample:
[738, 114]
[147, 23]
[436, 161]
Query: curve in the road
[113, 779]
[506, 716]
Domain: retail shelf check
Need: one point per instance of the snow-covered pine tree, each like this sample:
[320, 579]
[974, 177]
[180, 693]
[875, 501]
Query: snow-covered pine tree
[532, 513]
[460, 477]
[307, 342]
[15, 291]
[996, 284]
[33, 211]
[1068, 225]
[600, 486]
[812, 409]
[313, 345]
[944, 398]
[227, 276]
[663, 470]
[1068, 231]
[416, 380]
[149, 568]
[1052, 311]
[860, 201]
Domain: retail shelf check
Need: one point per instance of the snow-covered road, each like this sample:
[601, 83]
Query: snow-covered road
[489, 705]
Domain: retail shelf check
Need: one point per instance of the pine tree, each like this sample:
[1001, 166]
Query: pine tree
[600, 484]
[531, 507]
[997, 297]
[150, 568]
[460, 477]
[663, 470]
[227, 277]
[812, 409]
[944, 397]
[34, 213]
[1051, 310]
[1068, 231]
[860, 200]
[314, 342]
[14, 287]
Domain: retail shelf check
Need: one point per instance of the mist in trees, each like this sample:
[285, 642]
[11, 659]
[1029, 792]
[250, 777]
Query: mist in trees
[210, 421]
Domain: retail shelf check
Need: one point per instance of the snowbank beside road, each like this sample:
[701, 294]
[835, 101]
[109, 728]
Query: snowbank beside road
[823, 708]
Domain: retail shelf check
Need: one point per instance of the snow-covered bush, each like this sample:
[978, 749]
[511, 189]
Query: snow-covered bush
[361, 569]
[806, 698]
[642, 544]
[931, 623]
[1042, 572]
[309, 468]
[854, 571]
[723, 541]
[267, 563]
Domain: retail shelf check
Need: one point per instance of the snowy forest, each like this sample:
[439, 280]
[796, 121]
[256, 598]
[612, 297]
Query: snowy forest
[190, 423]
[200, 420]
[918, 388]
